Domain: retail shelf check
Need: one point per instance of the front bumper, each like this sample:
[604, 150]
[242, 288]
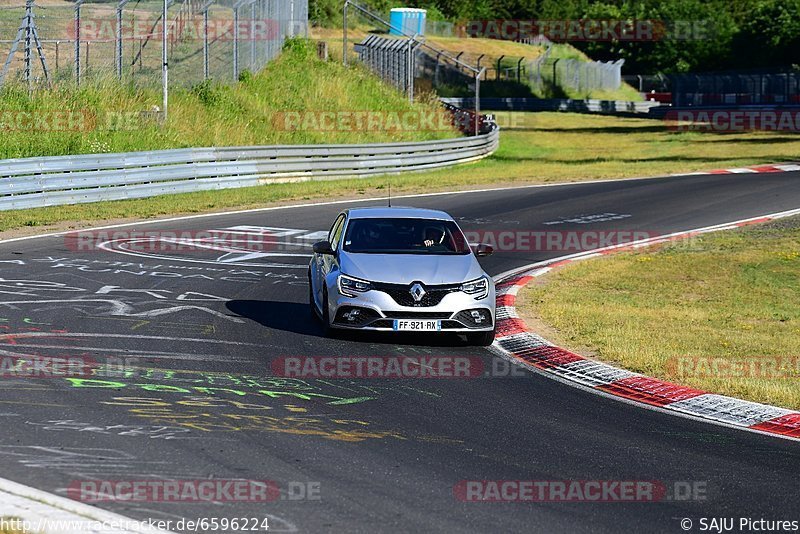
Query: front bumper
[377, 310]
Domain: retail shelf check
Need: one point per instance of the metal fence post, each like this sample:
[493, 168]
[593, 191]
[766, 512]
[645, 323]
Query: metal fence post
[78, 41]
[478, 99]
[236, 42]
[555, 72]
[410, 69]
[344, 32]
[251, 36]
[164, 64]
[236, 8]
[204, 10]
[118, 50]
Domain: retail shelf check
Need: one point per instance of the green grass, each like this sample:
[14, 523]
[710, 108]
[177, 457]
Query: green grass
[210, 114]
[732, 296]
[534, 148]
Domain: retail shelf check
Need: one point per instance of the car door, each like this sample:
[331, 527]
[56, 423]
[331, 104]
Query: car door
[325, 262]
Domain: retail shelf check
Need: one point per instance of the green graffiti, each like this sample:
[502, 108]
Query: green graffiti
[91, 383]
[163, 388]
[166, 388]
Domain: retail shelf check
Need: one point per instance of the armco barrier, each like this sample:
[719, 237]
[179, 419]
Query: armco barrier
[57, 180]
[615, 107]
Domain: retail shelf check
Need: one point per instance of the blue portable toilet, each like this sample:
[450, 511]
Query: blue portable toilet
[408, 20]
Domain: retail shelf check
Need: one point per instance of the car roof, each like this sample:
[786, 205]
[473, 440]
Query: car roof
[384, 212]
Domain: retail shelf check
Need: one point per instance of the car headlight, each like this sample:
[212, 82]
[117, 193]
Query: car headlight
[349, 286]
[478, 288]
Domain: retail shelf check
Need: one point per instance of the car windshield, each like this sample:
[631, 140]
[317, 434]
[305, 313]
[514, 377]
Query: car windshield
[404, 236]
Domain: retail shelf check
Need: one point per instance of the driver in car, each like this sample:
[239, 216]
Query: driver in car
[433, 236]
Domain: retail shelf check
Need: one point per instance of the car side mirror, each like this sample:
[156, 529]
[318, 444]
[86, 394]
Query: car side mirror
[484, 250]
[322, 247]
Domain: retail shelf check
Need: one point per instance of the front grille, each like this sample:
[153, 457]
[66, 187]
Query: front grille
[417, 315]
[401, 294]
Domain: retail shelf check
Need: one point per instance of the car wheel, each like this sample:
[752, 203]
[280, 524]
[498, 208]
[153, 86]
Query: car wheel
[481, 339]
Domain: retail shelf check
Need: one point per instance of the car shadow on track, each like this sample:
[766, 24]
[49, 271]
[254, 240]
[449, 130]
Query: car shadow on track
[297, 318]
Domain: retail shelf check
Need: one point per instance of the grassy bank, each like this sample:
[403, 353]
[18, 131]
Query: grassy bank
[110, 117]
[721, 313]
[534, 148]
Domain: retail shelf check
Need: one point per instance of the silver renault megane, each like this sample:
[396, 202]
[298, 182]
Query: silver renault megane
[401, 269]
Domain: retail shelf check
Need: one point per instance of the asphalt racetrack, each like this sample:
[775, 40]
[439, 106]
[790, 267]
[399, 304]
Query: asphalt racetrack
[201, 328]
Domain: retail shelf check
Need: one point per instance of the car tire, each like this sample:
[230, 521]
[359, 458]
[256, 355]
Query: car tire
[311, 303]
[327, 331]
[481, 339]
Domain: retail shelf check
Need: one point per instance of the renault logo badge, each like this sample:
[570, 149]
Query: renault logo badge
[417, 292]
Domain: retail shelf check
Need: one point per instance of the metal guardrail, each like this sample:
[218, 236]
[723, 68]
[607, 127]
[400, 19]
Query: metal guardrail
[58, 180]
[556, 104]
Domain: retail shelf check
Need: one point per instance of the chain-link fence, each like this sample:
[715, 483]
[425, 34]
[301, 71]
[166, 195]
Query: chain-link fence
[415, 67]
[394, 60]
[545, 73]
[646, 83]
[737, 88]
[51, 41]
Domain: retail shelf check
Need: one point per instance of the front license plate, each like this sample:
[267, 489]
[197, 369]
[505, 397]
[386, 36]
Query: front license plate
[425, 325]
